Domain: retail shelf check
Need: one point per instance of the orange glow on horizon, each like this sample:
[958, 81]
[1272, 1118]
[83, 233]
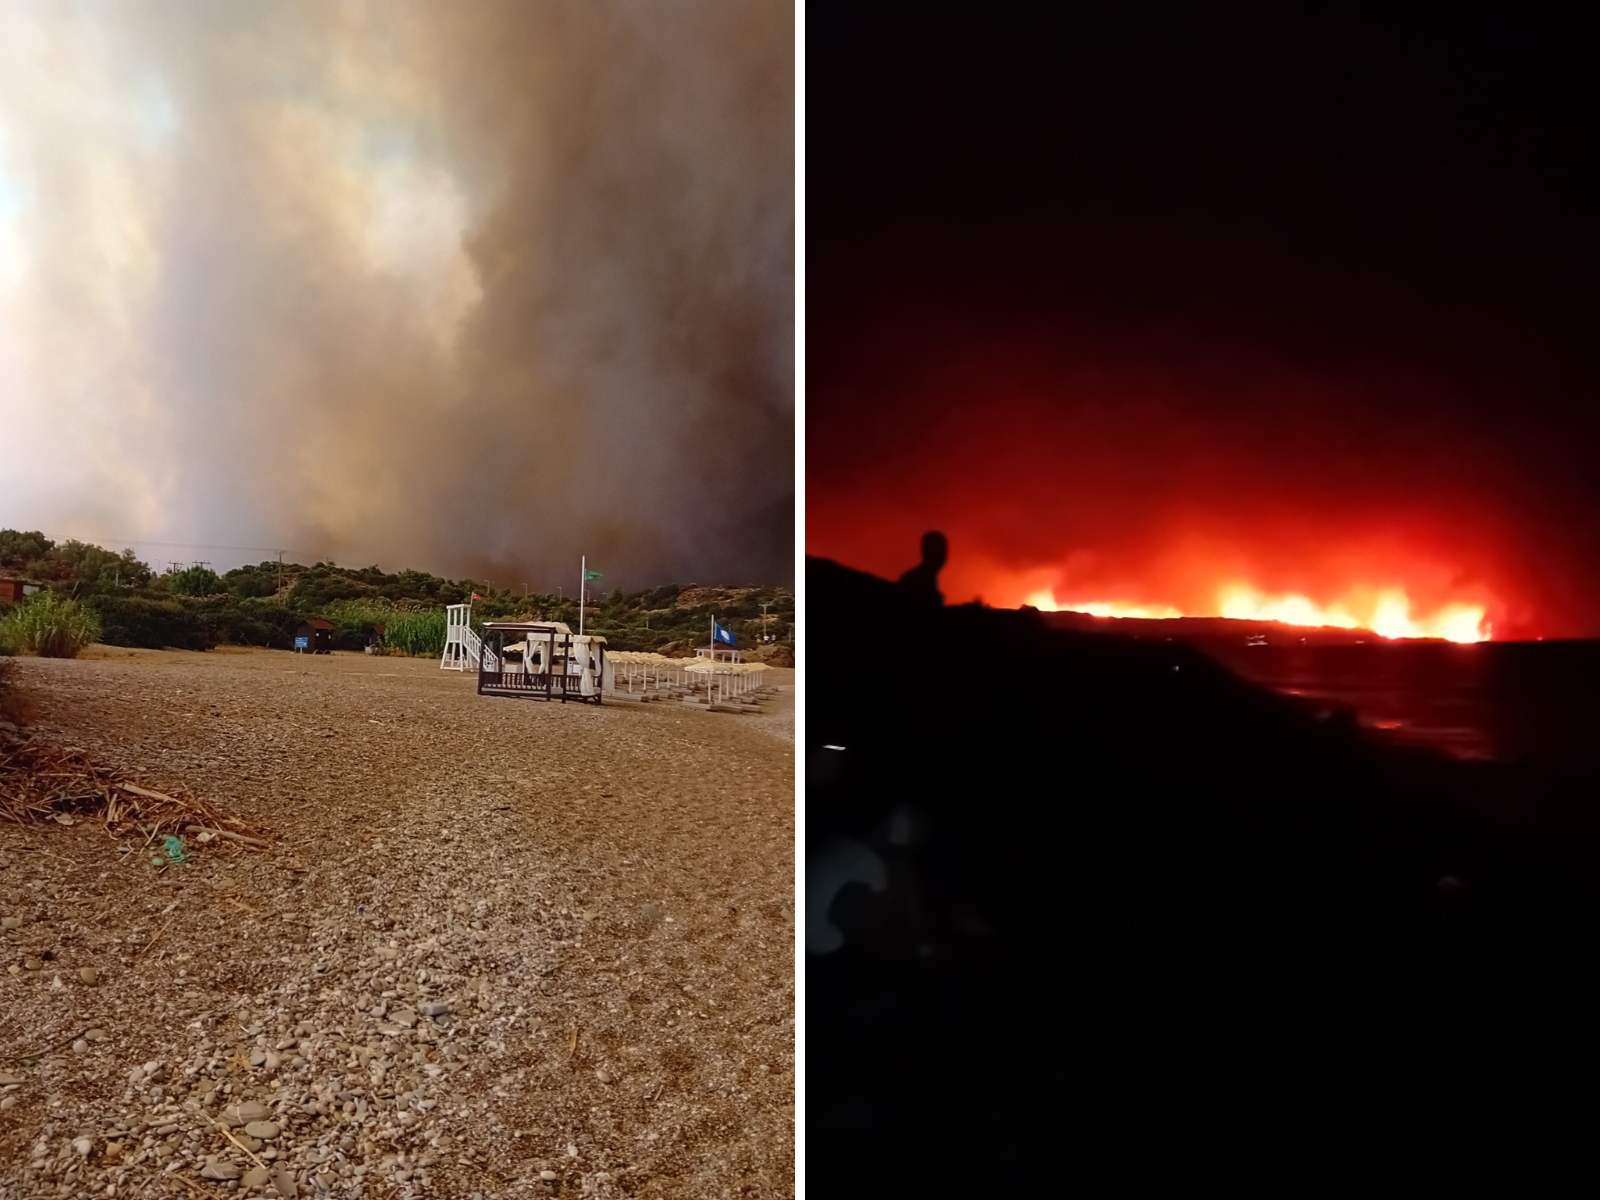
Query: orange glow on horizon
[1387, 613]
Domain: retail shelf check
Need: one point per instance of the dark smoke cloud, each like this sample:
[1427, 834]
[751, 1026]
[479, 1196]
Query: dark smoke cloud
[476, 288]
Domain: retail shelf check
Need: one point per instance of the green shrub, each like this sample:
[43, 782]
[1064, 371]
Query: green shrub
[153, 624]
[264, 623]
[251, 582]
[51, 626]
[417, 633]
[356, 622]
[196, 581]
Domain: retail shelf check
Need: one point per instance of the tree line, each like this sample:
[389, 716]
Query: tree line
[196, 608]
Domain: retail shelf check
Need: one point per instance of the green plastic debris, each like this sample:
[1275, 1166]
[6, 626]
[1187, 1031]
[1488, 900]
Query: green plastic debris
[174, 848]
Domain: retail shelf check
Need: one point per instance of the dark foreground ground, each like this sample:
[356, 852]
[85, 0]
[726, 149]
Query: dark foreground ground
[1158, 932]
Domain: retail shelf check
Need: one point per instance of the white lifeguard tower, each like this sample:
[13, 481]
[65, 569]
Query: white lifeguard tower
[462, 647]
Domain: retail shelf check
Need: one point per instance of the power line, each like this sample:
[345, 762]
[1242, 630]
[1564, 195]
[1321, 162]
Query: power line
[127, 541]
[147, 544]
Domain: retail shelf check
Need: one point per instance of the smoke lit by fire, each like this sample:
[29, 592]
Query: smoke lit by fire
[1268, 495]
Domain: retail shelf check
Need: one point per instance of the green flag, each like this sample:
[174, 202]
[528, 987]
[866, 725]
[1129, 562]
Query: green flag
[591, 575]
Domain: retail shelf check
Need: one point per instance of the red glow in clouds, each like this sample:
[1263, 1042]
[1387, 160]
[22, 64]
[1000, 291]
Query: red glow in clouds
[1386, 613]
[1242, 494]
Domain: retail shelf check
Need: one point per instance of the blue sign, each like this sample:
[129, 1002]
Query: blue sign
[301, 643]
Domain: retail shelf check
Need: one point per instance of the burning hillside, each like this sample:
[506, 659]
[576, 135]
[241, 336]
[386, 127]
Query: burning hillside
[1387, 613]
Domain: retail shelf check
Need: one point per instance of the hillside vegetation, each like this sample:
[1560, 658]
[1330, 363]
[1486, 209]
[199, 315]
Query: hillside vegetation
[261, 605]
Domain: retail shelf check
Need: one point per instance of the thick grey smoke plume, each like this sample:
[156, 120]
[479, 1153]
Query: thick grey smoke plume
[474, 287]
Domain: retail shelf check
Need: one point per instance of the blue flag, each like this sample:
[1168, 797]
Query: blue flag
[724, 636]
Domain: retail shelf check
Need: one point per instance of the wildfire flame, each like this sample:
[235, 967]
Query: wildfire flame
[1386, 613]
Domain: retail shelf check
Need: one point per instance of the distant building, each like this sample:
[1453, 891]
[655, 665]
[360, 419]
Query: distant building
[14, 590]
[314, 637]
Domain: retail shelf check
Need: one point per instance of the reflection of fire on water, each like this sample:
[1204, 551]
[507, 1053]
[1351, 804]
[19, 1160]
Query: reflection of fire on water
[1386, 613]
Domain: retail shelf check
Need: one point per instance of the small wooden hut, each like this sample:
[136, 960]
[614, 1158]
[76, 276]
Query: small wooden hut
[314, 637]
[14, 590]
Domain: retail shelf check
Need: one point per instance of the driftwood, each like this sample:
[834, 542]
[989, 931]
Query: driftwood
[224, 833]
[139, 791]
[42, 782]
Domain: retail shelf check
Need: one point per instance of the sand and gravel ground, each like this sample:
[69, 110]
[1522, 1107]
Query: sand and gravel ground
[499, 947]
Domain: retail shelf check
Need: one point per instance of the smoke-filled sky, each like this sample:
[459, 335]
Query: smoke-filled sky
[1135, 310]
[475, 288]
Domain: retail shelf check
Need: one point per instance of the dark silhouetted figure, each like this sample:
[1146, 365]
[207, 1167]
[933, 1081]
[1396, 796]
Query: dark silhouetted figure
[923, 579]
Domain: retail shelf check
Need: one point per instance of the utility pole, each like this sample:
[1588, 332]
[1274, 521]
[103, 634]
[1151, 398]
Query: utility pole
[764, 608]
[280, 570]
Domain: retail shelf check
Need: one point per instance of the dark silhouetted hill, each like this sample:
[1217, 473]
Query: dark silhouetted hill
[1164, 933]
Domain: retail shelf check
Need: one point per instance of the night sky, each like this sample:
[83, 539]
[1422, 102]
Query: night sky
[1136, 312]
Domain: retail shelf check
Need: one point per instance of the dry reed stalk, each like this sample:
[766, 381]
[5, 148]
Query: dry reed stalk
[41, 782]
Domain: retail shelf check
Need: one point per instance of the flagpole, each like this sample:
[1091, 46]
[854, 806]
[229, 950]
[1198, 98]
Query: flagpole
[583, 581]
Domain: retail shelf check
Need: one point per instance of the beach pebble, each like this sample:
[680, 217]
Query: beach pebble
[8, 1102]
[96, 1035]
[10, 922]
[82, 1146]
[255, 1177]
[262, 1129]
[433, 1008]
[220, 1170]
[404, 1016]
[89, 975]
[32, 964]
[547, 1174]
[258, 1056]
[80, 1047]
[253, 1110]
